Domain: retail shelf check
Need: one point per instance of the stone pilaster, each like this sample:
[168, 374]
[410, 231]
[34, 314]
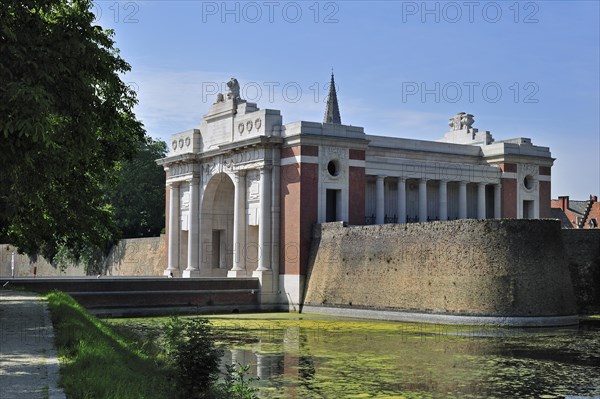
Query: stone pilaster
[264, 229]
[239, 226]
[174, 230]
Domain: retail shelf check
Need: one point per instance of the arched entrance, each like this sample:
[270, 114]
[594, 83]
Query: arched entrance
[217, 225]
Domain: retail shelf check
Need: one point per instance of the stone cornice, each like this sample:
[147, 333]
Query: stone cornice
[319, 140]
[176, 159]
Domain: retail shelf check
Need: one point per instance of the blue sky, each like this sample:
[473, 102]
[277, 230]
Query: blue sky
[402, 68]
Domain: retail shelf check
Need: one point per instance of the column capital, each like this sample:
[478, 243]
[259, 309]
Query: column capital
[445, 181]
[193, 180]
[482, 183]
[401, 179]
[173, 184]
[423, 179]
[463, 182]
[266, 168]
[240, 172]
[381, 177]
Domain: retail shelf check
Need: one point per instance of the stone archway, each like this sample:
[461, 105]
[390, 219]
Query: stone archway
[217, 225]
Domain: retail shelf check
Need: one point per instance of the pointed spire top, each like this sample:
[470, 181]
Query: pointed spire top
[332, 113]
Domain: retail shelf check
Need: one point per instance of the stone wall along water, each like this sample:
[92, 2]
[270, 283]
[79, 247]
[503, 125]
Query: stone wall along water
[494, 268]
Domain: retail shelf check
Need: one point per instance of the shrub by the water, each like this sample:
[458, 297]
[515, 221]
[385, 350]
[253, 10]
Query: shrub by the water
[235, 384]
[189, 346]
[192, 350]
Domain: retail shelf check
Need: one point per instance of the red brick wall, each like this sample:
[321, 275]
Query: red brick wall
[289, 218]
[306, 150]
[545, 199]
[308, 210]
[508, 167]
[545, 170]
[594, 214]
[356, 196]
[357, 154]
[290, 152]
[299, 206]
[509, 198]
[310, 150]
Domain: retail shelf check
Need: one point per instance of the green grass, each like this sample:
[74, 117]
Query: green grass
[96, 362]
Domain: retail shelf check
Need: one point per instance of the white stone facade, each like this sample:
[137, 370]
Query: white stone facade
[244, 190]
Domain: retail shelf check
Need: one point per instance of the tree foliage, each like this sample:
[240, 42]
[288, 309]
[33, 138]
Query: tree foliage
[66, 122]
[138, 199]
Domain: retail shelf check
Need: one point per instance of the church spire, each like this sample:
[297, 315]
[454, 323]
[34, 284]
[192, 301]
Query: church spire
[332, 113]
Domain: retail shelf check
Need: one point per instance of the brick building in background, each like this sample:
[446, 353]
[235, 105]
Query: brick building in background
[576, 214]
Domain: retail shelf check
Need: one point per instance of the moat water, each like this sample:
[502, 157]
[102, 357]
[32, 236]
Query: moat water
[308, 356]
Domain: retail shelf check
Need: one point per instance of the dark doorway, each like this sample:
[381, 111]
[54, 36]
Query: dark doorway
[527, 209]
[218, 248]
[333, 211]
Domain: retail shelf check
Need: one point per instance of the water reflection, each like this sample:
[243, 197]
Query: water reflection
[337, 359]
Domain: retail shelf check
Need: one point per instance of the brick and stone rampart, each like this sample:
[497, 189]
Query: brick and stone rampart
[488, 268]
[582, 248]
[129, 257]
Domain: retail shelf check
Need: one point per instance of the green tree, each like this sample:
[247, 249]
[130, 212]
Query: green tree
[139, 198]
[66, 123]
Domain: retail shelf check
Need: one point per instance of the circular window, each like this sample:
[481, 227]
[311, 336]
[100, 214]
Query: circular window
[333, 168]
[528, 182]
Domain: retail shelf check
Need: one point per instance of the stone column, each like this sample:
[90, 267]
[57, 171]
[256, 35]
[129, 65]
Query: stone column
[462, 200]
[497, 201]
[481, 200]
[239, 226]
[401, 200]
[380, 203]
[422, 200]
[194, 222]
[264, 228]
[443, 211]
[173, 252]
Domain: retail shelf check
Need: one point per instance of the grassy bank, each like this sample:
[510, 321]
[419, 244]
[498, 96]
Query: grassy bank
[96, 362]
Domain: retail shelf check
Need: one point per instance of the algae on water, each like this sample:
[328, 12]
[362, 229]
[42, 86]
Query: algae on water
[309, 356]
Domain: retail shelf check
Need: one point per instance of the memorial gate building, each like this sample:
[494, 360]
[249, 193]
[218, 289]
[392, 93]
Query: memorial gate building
[244, 190]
